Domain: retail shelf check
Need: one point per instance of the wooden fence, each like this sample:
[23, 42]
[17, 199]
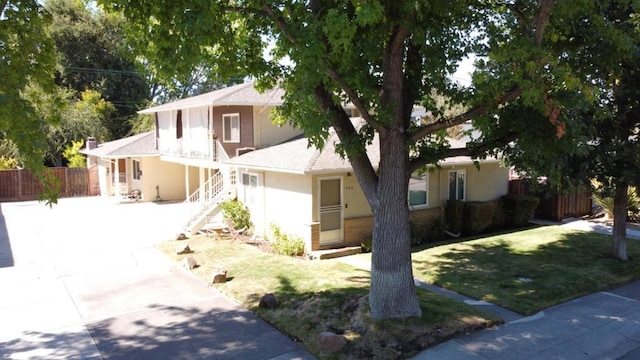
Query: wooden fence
[555, 206]
[20, 185]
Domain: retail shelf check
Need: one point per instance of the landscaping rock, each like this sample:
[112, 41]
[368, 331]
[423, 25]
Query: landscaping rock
[189, 263]
[219, 276]
[183, 249]
[268, 301]
[181, 236]
[329, 342]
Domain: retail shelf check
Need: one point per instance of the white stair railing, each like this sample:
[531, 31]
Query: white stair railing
[208, 196]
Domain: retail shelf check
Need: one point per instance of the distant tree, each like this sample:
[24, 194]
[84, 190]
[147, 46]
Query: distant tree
[73, 156]
[93, 54]
[78, 119]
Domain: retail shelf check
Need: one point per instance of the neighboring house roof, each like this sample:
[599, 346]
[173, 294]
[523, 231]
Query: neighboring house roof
[296, 156]
[137, 145]
[242, 94]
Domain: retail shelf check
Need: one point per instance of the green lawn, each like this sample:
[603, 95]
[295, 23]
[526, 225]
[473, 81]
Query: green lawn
[327, 295]
[529, 270]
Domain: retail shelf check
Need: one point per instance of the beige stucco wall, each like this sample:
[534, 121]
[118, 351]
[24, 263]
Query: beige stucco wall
[287, 203]
[266, 133]
[169, 177]
[489, 182]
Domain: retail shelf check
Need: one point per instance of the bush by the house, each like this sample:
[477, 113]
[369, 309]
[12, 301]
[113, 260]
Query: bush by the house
[286, 244]
[237, 213]
[497, 221]
[426, 231]
[518, 209]
[478, 216]
[453, 215]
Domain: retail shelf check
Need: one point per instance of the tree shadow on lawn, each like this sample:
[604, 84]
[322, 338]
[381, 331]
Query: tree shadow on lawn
[526, 278]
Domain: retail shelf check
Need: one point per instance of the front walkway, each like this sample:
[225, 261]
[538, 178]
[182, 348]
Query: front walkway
[83, 280]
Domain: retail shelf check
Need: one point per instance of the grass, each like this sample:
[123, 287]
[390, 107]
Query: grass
[316, 296]
[529, 270]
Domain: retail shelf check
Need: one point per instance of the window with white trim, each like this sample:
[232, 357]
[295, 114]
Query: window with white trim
[419, 189]
[231, 128]
[249, 187]
[457, 182]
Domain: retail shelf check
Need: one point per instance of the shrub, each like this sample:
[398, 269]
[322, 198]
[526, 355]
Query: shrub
[286, 244]
[498, 214]
[478, 217]
[453, 215]
[604, 199]
[366, 244]
[426, 231]
[518, 209]
[237, 213]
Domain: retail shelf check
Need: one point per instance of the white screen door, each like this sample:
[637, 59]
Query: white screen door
[330, 210]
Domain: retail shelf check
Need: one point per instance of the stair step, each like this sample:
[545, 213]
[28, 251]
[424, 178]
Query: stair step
[334, 253]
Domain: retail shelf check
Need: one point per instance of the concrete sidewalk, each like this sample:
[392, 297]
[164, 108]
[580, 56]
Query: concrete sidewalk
[84, 281]
[603, 325]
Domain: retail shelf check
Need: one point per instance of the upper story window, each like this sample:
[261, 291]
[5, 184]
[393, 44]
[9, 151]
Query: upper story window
[457, 180]
[231, 128]
[419, 189]
[179, 125]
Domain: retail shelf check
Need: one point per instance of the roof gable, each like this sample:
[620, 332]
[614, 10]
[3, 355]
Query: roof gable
[242, 94]
[137, 145]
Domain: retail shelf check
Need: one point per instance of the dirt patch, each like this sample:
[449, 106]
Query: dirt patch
[349, 315]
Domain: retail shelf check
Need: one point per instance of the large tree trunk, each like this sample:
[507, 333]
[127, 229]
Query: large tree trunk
[619, 240]
[392, 293]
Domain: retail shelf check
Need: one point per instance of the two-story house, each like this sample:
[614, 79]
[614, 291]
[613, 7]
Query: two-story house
[229, 148]
[203, 132]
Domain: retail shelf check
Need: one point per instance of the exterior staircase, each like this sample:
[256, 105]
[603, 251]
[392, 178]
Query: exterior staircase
[204, 202]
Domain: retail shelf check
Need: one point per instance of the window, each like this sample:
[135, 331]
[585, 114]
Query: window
[137, 173]
[231, 128]
[249, 186]
[157, 125]
[456, 185]
[179, 125]
[419, 189]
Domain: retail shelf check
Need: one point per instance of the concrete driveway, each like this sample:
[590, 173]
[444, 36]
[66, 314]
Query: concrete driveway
[83, 281]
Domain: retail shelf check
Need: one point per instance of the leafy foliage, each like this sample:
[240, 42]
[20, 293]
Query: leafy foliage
[73, 156]
[237, 213]
[286, 244]
[93, 54]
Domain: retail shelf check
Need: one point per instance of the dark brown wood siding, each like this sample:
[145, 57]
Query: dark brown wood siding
[246, 127]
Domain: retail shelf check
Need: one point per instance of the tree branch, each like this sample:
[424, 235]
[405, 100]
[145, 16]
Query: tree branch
[475, 151]
[542, 19]
[510, 95]
[343, 127]
[353, 96]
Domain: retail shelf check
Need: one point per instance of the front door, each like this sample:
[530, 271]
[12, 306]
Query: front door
[330, 212]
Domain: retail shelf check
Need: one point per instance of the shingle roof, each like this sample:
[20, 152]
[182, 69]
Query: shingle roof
[295, 156]
[137, 145]
[242, 94]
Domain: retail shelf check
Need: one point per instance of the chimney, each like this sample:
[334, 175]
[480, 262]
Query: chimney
[91, 143]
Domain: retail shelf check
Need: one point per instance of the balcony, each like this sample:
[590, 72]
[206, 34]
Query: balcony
[210, 150]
